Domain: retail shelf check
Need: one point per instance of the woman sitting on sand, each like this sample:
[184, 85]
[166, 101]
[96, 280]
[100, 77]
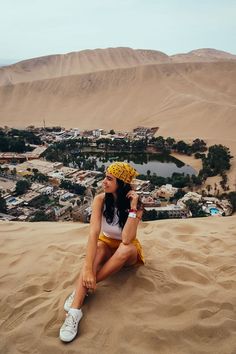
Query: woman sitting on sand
[112, 241]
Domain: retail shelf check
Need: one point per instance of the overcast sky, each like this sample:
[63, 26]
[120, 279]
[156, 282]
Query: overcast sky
[32, 28]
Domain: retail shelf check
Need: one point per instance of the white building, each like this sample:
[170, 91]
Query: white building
[165, 191]
[97, 133]
[46, 190]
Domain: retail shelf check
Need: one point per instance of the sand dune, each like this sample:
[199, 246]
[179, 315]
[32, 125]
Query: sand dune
[76, 63]
[205, 54]
[121, 87]
[182, 301]
[188, 99]
[87, 61]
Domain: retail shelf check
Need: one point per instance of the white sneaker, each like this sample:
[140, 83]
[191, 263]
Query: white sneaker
[68, 330]
[69, 301]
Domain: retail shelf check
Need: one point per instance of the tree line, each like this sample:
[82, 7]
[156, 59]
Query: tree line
[17, 141]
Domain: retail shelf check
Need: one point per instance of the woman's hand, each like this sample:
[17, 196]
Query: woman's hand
[133, 196]
[88, 279]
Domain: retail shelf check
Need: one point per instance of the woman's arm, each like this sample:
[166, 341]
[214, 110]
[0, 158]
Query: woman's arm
[131, 225]
[95, 228]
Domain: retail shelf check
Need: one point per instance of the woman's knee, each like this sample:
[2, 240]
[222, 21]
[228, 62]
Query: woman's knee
[126, 251]
[103, 250]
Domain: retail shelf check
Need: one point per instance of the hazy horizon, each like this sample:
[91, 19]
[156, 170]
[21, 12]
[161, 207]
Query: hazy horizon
[34, 29]
[5, 62]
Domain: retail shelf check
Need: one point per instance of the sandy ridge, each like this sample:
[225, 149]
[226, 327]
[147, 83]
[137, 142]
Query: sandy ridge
[182, 301]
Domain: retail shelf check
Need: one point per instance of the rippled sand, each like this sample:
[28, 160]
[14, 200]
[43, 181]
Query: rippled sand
[182, 301]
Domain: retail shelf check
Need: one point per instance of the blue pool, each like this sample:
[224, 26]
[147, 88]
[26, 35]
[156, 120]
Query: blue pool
[214, 211]
[10, 200]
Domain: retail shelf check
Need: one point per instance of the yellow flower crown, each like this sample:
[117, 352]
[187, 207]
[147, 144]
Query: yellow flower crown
[123, 171]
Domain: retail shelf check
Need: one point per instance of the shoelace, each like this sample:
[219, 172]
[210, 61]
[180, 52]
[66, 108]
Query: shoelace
[70, 321]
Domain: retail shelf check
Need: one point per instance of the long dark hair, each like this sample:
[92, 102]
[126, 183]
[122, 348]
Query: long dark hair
[122, 203]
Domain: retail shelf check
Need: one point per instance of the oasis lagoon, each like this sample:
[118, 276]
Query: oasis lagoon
[159, 164]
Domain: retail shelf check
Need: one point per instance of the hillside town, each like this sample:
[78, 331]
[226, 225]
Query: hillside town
[34, 189]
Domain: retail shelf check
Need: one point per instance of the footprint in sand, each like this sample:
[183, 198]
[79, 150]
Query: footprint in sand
[206, 313]
[25, 309]
[215, 242]
[146, 284]
[55, 320]
[181, 253]
[214, 306]
[49, 285]
[227, 284]
[31, 290]
[14, 320]
[187, 274]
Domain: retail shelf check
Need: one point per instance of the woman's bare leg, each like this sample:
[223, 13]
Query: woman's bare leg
[103, 253]
[124, 255]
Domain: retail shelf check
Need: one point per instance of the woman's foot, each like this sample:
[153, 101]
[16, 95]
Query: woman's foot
[68, 330]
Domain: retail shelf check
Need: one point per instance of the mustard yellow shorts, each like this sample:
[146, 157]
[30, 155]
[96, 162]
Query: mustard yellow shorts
[114, 244]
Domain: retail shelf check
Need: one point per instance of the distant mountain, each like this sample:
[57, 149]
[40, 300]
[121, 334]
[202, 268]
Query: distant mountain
[75, 63]
[204, 54]
[192, 94]
[88, 61]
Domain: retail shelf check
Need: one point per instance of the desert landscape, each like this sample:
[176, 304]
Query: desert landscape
[182, 301]
[187, 95]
